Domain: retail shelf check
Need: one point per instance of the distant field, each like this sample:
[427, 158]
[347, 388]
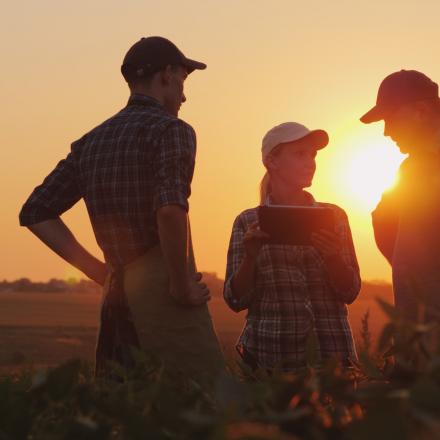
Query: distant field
[47, 328]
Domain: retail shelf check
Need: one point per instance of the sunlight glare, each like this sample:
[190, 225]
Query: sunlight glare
[371, 168]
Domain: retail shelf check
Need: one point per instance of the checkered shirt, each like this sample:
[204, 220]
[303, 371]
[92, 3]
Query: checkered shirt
[125, 169]
[293, 300]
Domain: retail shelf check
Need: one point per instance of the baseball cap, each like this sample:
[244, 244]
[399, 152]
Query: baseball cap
[151, 54]
[289, 132]
[400, 88]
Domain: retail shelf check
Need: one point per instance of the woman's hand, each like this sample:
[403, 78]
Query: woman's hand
[327, 243]
[341, 274]
[253, 240]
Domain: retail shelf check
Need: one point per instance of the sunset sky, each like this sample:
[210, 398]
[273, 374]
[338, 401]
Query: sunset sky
[316, 62]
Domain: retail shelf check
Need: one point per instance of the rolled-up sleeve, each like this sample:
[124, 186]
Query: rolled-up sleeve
[58, 193]
[174, 165]
[386, 216]
[235, 256]
[385, 220]
[348, 255]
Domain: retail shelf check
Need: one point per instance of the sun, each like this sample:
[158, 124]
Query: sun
[370, 169]
[358, 167]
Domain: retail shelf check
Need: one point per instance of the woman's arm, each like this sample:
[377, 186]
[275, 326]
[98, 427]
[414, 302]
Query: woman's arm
[340, 258]
[243, 279]
[243, 251]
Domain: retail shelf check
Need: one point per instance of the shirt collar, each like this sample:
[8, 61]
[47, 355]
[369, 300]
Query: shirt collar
[309, 198]
[137, 99]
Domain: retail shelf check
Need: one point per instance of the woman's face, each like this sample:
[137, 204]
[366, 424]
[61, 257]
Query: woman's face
[293, 163]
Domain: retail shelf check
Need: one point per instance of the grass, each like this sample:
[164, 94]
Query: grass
[393, 393]
[383, 397]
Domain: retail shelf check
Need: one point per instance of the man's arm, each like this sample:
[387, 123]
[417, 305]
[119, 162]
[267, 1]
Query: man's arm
[41, 215]
[172, 221]
[386, 216]
[385, 220]
[58, 237]
[173, 171]
[173, 231]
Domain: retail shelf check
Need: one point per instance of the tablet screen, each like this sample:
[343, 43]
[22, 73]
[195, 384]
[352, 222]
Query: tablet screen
[294, 224]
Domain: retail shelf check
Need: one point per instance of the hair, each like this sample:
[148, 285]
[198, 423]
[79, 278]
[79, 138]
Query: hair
[133, 79]
[265, 187]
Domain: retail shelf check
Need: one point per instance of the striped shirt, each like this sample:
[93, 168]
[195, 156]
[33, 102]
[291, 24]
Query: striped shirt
[125, 169]
[293, 300]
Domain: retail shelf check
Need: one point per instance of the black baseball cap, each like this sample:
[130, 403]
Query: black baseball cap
[151, 54]
[400, 88]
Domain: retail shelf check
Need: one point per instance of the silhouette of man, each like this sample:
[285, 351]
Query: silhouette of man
[134, 172]
[406, 220]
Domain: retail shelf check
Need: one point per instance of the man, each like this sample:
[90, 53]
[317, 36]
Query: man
[406, 221]
[134, 172]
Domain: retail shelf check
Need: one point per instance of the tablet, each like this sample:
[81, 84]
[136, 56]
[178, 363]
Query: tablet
[294, 224]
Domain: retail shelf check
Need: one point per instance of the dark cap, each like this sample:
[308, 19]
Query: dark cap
[400, 88]
[151, 54]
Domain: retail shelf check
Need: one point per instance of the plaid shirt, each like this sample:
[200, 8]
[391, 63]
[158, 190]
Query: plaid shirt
[293, 299]
[125, 169]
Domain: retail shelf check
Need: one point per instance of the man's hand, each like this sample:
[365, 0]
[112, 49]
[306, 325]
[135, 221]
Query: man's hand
[194, 294]
[98, 272]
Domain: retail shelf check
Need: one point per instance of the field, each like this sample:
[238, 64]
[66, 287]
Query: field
[382, 397]
[44, 329]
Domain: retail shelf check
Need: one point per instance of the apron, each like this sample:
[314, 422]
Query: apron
[138, 312]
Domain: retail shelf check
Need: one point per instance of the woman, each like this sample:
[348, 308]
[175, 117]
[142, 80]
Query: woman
[296, 296]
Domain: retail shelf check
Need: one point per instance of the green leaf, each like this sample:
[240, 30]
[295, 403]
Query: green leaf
[425, 394]
[385, 339]
[369, 368]
[61, 380]
[389, 309]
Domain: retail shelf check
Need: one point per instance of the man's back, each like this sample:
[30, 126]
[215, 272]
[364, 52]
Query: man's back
[125, 169]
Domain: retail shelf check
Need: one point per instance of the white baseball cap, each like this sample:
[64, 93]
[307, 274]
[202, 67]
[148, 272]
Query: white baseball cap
[289, 132]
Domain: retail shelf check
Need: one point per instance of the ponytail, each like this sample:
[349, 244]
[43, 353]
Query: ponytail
[264, 187]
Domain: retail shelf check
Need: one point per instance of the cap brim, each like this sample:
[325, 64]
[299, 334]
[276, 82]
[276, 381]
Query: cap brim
[374, 115]
[192, 65]
[319, 138]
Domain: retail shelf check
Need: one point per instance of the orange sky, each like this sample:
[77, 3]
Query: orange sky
[315, 62]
